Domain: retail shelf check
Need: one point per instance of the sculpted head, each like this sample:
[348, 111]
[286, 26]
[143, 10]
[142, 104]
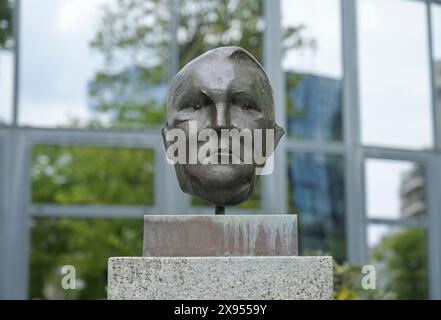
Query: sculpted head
[223, 89]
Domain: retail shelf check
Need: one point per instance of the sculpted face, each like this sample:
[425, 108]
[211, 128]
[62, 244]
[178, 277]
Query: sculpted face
[225, 88]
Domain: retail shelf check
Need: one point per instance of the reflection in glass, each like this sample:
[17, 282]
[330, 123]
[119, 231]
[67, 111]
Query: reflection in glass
[92, 175]
[314, 107]
[400, 259]
[436, 36]
[85, 244]
[316, 191]
[395, 189]
[96, 63]
[207, 24]
[6, 86]
[313, 71]
[6, 62]
[394, 74]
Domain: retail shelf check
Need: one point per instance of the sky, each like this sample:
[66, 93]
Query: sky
[57, 64]
[321, 21]
[56, 61]
[383, 181]
[436, 27]
[6, 85]
[394, 74]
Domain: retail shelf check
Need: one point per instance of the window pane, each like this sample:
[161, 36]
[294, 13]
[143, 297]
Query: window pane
[317, 196]
[209, 24]
[436, 30]
[6, 62]
[313, 70]
[85, 244]
[400, 258]
[395, 189]
[93, 63]
[394, 74]
[92, 175]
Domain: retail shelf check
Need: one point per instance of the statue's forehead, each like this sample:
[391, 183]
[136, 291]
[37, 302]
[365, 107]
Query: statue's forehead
[222, 76]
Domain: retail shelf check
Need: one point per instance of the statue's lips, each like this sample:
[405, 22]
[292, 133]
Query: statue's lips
[222, 156]
[226, 174]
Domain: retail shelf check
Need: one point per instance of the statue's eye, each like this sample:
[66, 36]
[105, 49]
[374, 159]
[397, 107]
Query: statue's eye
[247, 106]
[197, 106]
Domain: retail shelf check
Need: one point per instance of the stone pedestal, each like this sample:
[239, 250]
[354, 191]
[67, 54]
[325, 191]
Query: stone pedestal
[220, 257]
[220, 278]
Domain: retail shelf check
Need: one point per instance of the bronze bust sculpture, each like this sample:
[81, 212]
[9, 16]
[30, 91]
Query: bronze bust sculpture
[223, 89]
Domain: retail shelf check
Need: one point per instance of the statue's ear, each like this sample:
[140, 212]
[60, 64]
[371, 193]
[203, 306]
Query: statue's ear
[278, 134]
[164, 136]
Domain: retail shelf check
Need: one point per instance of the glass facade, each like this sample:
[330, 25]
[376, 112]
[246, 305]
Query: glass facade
[107, 82]
[314, 107]
[388, 70]
[400, 257]
[316, 191]
[395, 189]
[92, 175]
[312, 64]
[208, 24]
[6, 63]
[357, 89]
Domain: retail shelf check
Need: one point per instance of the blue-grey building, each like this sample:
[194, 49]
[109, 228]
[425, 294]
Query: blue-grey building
[316, 181]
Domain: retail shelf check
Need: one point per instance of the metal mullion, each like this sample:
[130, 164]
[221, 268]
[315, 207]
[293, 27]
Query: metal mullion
[16, 35]
[434, 227]
[414, 223]
[275, 189]
[109, 138]
[395, 154]
[90, 211]
[174, 46]
[14, 281]
[356, 238]
[332, 148]
[434, 178]
[436, 106]
[16, 177]
[172, 199]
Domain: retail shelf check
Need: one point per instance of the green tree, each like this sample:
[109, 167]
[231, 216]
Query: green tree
[402, 258]
[5, 24]
[86, 175]
[140, 29]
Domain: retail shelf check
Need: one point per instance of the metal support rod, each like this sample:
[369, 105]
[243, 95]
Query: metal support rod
[219, 210]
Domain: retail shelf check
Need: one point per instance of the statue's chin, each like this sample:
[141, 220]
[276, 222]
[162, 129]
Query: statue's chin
[223, 185]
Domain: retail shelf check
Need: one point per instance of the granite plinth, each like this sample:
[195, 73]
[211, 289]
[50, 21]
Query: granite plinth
[220, 278]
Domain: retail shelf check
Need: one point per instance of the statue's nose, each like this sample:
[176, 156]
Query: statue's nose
[221, 117]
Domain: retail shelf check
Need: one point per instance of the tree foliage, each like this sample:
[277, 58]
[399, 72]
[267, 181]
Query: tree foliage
[402, 258]
[5, 24]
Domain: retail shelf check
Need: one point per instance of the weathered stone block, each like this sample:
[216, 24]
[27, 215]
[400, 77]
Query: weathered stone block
[227, 235]
[220, 278]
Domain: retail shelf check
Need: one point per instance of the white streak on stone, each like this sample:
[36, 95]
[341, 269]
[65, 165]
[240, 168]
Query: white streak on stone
[235, 227]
